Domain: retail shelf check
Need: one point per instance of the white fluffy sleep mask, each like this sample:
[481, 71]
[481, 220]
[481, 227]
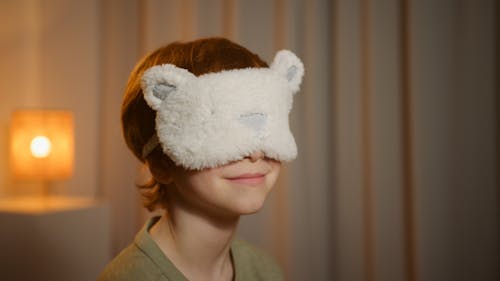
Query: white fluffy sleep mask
[217, 118]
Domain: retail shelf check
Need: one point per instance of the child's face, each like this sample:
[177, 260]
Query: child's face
[235, 189]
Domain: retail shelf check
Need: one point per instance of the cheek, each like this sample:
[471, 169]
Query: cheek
[189, 181]
[199, 182]
[276, 166]
[192, 189]
[273, 176]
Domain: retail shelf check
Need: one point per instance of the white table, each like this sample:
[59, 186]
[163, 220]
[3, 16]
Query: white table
[53, 239]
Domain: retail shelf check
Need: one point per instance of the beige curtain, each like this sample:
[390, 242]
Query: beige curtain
[395, 124]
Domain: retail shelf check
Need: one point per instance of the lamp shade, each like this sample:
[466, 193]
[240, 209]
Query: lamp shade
[41, 144]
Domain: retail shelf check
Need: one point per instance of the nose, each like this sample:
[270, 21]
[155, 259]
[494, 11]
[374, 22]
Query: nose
[256, 155]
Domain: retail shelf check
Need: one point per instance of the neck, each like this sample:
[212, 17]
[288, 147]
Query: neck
[198, 246]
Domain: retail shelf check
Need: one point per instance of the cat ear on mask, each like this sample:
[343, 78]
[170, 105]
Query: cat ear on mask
[161, 81]
[288, 65]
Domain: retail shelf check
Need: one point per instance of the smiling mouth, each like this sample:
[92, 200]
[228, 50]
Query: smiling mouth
[248, 179]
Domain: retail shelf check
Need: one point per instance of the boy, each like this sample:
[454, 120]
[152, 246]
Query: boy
[210, 120]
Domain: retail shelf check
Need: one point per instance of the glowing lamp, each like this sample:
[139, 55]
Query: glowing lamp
[41, 144]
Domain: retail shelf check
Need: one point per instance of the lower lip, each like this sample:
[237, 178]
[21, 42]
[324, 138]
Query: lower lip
[249, 181]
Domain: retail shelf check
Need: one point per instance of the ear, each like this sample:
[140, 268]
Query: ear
[289, 66]
[160, 81]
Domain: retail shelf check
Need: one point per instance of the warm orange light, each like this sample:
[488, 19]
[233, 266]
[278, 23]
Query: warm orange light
[42, 144]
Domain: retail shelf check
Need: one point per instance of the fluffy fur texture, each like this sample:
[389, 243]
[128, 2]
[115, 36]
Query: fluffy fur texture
[217, 118]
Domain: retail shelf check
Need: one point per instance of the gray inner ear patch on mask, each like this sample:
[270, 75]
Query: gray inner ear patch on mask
[256, 120]
[290, 73]
[162, 90]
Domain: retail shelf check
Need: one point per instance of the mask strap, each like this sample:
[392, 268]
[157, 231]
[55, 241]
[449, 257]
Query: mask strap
[150, 145]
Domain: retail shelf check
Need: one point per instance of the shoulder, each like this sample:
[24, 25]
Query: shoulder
[252, 263]
[130, 265]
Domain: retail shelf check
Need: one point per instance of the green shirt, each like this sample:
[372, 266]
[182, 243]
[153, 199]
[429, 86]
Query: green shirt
[144, 261]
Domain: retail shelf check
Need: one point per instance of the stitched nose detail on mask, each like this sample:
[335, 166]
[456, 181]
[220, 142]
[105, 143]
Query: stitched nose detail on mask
[256, 121]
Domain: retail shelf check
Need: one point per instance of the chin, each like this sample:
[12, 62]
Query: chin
[249, 207]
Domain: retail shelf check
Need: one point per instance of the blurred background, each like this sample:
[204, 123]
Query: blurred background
[397, 125]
